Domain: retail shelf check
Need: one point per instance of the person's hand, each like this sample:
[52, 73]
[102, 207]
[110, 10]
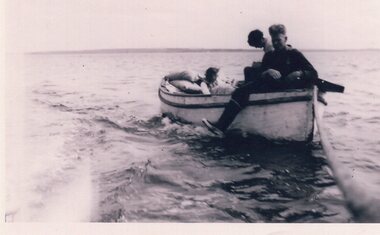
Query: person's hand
[294, 76]
[272, 73]
[239, 83]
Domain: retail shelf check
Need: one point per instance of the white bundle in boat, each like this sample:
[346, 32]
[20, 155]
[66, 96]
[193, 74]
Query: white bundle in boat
[184, 81]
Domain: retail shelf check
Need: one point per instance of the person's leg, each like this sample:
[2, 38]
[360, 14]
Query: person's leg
[252, 73]
[248, 74]
[239, 100]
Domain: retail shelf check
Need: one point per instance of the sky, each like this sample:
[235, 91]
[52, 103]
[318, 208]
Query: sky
[51, 25]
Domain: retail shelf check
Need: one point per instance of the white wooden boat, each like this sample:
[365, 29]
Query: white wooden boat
[279, 116]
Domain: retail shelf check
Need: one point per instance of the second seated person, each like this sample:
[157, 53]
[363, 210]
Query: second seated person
[209, 84]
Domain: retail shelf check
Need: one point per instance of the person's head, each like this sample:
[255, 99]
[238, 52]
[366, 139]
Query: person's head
[211, 75]
[278, 35]
[256, 38]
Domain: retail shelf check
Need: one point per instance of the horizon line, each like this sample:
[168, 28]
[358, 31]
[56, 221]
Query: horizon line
[174, 50]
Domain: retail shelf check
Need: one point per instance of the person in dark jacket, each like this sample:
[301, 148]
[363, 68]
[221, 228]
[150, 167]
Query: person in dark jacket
[256, 39]
[286, 67]
[283, 68]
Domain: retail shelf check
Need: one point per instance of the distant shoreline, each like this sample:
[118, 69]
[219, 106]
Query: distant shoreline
[174, 50]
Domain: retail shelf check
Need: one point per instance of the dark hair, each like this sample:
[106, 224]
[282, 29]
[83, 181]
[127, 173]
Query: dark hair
[210, 72]
[256, 36]
[277, 29]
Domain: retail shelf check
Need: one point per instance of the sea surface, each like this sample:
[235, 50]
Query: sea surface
[85, 141]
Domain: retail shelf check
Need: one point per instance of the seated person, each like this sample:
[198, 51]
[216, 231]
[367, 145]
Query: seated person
[256, 39]
[209, 84]
[283, 68]
[182, 82]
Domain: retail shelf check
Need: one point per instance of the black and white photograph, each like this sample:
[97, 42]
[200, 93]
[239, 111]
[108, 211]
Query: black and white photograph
[196, 112]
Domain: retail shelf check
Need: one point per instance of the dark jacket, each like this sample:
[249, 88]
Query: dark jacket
[288, 61]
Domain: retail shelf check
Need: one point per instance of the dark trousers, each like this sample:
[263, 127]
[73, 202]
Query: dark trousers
[239, 100]
[253, 83]
[240, 97]
[241, 94]
[252, 73]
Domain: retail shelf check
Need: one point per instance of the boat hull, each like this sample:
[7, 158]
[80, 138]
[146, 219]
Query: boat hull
[280, 116]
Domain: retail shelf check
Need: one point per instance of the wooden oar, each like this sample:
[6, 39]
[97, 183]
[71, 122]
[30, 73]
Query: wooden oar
[360, 201]
[327, 86]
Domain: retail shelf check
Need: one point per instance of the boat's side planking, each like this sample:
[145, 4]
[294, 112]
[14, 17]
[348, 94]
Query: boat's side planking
[286, 116]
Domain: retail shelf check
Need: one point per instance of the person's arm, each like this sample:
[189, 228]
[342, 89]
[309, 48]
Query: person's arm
[265, 61]
[267, 68]
[306, 70]
[205, 89]
[271, 73]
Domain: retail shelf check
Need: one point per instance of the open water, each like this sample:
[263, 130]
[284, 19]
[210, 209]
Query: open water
[85, 141]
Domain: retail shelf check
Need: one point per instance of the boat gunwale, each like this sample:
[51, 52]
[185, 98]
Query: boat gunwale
[211, 95]
[277, 100]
